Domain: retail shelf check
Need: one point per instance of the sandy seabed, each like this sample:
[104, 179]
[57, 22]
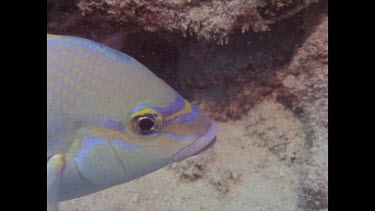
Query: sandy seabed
[233, 175]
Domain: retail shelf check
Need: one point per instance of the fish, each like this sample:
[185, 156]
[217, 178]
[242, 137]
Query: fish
[111, 120]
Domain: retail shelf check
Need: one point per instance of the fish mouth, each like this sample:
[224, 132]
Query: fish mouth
[201, 144]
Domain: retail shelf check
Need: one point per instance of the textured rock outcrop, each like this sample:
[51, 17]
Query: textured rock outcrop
[209, 20]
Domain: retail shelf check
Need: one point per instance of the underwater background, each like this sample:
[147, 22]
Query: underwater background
[259, 68]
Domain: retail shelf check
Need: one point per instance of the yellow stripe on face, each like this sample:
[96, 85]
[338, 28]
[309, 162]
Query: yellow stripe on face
[185, 110]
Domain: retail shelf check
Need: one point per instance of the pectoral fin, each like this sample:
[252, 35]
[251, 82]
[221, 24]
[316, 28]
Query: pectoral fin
[55, 166]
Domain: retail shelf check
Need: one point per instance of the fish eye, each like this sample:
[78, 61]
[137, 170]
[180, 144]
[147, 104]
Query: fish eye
[146, 123]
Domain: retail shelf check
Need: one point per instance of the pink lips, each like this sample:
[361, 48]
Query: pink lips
[198, 145]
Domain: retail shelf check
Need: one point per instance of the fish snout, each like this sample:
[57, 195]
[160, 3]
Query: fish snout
[201, 144]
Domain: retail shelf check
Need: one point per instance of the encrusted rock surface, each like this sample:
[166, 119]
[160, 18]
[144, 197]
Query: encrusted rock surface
[209, 20]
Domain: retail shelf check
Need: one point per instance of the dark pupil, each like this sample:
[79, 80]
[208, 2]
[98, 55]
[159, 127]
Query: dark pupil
[146, 126]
